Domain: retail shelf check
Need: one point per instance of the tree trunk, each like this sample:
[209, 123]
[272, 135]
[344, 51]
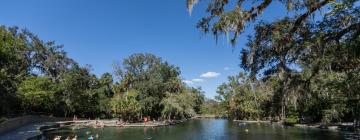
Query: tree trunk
[65, 113]
[283, 109]
[283, 77]
[256, 101]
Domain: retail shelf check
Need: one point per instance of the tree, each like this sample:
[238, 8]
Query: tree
[198, 99]
[13, 66]
[126, 106]
[233, 20]
[22, 54]
[37, 94]
[77, 97]
[178, 105]
[50, 59]
[37, 76]
[106, 81]
[242, 100]
[303, 55]
[212, 107]
[151, 77]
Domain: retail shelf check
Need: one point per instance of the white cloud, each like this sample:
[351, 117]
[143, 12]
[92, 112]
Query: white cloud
[189, 82]
[192, 81]
[197, 80]
[210, 74]
[226, 68]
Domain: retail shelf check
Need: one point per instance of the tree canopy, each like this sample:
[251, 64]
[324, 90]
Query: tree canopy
[38, 77]
[306, 62]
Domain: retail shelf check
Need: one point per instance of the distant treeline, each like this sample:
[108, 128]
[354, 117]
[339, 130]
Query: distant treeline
[38, 77]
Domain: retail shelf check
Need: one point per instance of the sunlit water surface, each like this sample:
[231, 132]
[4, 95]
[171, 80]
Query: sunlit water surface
[212, 129]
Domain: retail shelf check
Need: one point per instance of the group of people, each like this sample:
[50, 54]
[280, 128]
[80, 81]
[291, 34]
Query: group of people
[92, 138]
[75, 137]
[98, 124]
[67, 138]
[120, 122]
[75, 118]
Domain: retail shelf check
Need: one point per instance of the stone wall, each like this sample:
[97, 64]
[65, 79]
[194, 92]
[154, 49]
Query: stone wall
[17, 122]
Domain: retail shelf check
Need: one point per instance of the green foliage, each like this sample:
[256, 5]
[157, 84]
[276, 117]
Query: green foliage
[198, 99]
[291, 120]
[292, 116]
[13, 66]
[212, 107]
[36, 76]
[313, 66]
[126, 106]
[37, 94]
[242, 98]
[152, 78]
[178, 105]
[22, 54]
[231, 17]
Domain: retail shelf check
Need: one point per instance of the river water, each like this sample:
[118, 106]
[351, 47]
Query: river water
[207, 129]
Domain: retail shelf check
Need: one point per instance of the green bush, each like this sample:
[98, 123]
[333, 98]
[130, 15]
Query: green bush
[291, 120]
[292, 117]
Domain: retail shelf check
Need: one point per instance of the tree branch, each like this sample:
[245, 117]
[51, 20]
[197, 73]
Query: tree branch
[304, 16]
[338, 35]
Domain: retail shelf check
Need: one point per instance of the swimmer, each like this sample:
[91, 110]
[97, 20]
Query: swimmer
[57, 137]
[91, 137]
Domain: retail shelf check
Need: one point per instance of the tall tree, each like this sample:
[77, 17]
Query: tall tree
[151, 77]
[297, 49]
[37, 94]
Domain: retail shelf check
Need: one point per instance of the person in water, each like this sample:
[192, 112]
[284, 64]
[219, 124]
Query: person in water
[57, 138]
[91, 137]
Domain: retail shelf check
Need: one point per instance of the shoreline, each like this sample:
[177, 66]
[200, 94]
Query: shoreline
[113, 123]
[347, 126]
[90, 124]
[252, 121]
[47, 126]
[33, 127]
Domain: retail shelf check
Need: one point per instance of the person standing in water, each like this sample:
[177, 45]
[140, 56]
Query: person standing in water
[57, 138]
[91, 137]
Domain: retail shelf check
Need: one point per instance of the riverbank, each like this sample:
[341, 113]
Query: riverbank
[27, 126]
[33, 127]
[115, 123]
[207, 116]
[14, 123]
[35, 131]
[251, 121]
[339, 126]
[80, 124]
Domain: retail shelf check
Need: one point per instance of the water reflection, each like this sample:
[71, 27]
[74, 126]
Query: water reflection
[204, 130]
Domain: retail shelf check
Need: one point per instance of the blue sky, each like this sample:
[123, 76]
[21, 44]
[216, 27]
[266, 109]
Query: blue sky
[100, 32]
